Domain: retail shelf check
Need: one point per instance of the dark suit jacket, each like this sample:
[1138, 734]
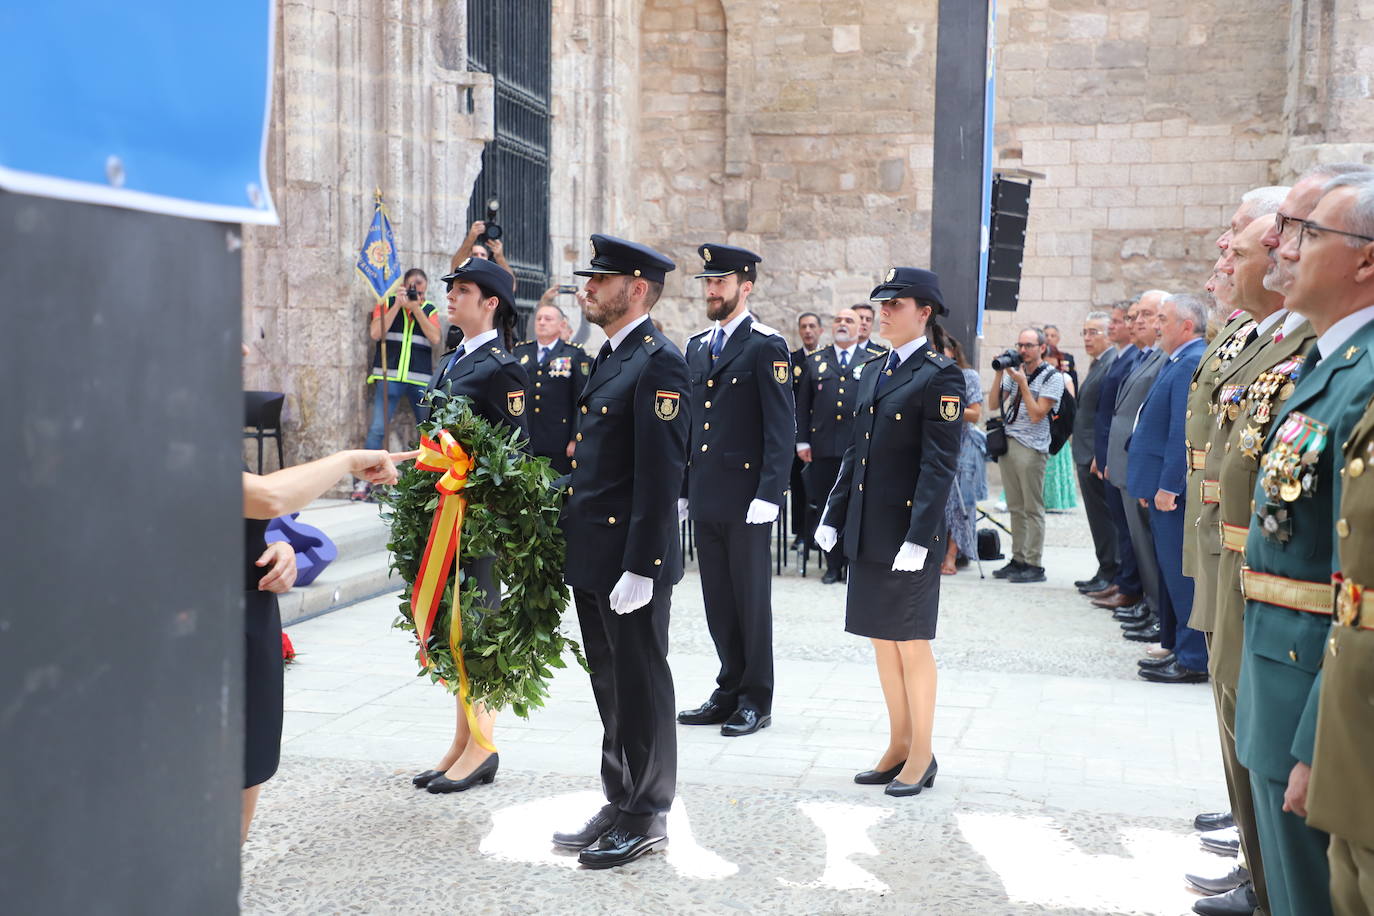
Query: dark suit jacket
[1121, 367]
[743, 439]
[896, 475]
[1158, 447]
[1085, 420]
[633, 426]
[1129, 399]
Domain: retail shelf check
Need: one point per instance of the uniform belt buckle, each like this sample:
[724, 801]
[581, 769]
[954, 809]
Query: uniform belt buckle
[1349, 597]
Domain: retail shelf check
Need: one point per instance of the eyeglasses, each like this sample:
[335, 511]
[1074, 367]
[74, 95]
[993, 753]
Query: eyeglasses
[1309, 229]
[1023, 345]
[1282, 222]
[1092, 332]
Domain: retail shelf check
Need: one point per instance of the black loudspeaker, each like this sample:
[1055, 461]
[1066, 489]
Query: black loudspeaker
[1006, 243]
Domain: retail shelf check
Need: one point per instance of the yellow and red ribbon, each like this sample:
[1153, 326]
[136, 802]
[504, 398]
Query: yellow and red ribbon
[449, 458]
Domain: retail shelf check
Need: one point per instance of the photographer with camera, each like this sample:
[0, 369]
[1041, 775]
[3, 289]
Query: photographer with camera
[408, 357]
[1030, 389]
[482, 241]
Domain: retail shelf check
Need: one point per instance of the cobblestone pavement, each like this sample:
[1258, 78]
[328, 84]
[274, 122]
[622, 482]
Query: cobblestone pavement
[1066, 784]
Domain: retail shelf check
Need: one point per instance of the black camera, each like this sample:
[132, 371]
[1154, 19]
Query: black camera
[493, 230]
[1008, 359]
[492, 234]
[412, 294]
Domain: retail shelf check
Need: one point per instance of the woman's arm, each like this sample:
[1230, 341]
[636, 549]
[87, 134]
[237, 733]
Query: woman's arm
[292, 489]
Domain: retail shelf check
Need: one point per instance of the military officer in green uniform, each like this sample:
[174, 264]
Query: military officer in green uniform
[1340, 795]
[1329, 259]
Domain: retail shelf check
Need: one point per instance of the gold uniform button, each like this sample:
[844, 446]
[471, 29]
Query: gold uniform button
[867, 436]
[1228, 448]
[1193, 387]
[733, 379]
[1293, 654]
[839, 403]
[1356, 467]
[539, 384]
[1207, 447]
[579, 437]
[1343, 528]
[658, 562]
[863, 461]
[536, 410]
[841, 391]
[570, 491]
[706, 426]
[610, 520]
[574, 462]
[1189, 414]
[604, 409]
[870, 409]
[584, 408]
[708, 405]
[710, 383]
[898, 417]
[746, 465]
[703, 447]
[908, 504]
[838, 417]
[861, 488]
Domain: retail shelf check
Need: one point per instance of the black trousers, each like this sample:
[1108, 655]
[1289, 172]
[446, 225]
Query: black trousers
[737, 588]
[797, 485]
[633, 686]
[821, 475]
[1094, 491]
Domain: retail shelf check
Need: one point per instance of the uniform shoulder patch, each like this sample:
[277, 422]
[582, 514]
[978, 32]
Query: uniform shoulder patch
[949, 407]
[780, 371]
[765, 329]
[667, 404]
[515, 402]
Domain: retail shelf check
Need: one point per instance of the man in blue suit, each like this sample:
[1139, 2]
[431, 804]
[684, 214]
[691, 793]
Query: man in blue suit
[1125, 586]
[1157, 477]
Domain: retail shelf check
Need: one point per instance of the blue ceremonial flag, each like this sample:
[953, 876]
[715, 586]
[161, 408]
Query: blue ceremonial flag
[377, 261]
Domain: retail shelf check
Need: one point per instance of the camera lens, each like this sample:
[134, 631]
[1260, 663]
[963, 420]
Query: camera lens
[493, 231]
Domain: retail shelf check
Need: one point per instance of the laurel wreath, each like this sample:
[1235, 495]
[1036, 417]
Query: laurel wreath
[512, 513]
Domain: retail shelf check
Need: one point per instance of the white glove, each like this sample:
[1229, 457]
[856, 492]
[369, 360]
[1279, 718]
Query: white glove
[911, 558]
[826, 538]
[682, 510]
[631, 592]
[761, 512]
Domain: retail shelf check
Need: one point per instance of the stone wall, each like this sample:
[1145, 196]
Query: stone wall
[365, 95]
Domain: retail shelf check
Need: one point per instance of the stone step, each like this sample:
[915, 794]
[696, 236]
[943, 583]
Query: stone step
[361, 571]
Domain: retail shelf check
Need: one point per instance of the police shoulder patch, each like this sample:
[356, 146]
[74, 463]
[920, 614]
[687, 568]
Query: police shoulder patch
[666, 404]
[780, 371]
[949, 407]
[515, 402]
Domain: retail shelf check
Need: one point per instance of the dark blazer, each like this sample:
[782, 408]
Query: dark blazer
[743, 436]
[897, 474]
[1085, 420]
[634, 418]
[553, 402]
[491, 380]
[1129, 399]
[1158, 447]
[826, 399]
[1121, 367]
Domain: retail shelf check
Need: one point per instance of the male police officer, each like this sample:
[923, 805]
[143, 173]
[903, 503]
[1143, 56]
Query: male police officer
[623, 556]
[826, 395]
[557, 371]
[742, 434]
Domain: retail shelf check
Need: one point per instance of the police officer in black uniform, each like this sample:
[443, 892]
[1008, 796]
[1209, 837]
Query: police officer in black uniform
[742, 447]
[826, 394]
[624, 557]
[558, 370]
[481, 303]
[889, 506]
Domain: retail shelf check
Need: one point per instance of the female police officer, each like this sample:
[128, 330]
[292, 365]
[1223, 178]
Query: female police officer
[888, 504]
[482, 306]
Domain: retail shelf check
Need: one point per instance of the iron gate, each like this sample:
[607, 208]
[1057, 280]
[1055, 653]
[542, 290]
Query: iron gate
[510, 40]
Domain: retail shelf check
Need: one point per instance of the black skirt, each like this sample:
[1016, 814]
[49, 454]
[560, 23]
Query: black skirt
[262, 680]
[882, 604]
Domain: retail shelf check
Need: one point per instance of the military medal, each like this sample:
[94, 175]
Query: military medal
[1276, 523]
[1287, 391]
[1250, 441]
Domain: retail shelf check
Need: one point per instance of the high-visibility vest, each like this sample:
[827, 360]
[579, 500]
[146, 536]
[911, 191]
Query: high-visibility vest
[408, 355]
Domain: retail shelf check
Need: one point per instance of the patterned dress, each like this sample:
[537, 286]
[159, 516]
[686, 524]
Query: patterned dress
[1061, 482]
[971, 478]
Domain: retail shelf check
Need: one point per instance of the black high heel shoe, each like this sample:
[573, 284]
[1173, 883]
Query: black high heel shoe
[901, 789]
[878, 777]
[484, 774]
[420, 780]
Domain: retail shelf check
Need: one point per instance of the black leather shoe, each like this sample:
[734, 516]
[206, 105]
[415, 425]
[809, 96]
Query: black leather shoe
[420, 780]
[830, 577]
[1133, 614]
[1149, 634]
[902, 790]
[745, 721]
[1222, 842]
[1173, 673]
[1239, 902]
[1217, 820]
[1233, 879]
[589, 834]
[619, 847]
[1028, 574]
[878, 777]
[1147, 663]
[1006, 571]
[708, 713]
[1096, 584]
[483, 775]
[1148, 620]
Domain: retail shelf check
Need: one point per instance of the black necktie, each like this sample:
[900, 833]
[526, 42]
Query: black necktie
[543, 355]
[844, 360]
[457, 355]
[892, 363]
[717, 342]
[601, 357]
